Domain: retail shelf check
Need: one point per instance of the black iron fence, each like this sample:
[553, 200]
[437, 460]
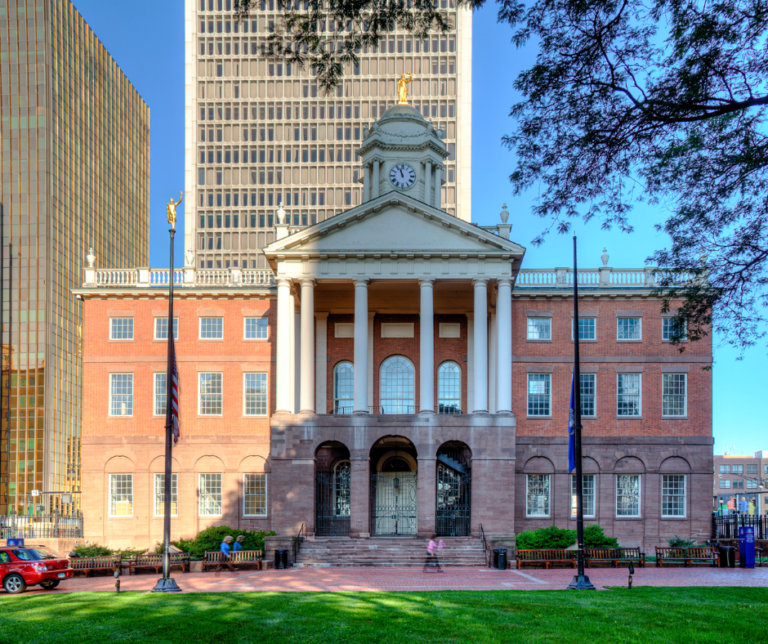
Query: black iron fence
[728, 527]
[44, 526]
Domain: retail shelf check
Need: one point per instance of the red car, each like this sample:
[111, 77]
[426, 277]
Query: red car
[22, 566]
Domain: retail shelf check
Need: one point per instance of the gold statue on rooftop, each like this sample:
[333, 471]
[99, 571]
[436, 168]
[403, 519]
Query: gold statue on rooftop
[171, 209]
[402, 89]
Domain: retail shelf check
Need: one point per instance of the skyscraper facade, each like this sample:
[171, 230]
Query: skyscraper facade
[75, 175]
[260, 133]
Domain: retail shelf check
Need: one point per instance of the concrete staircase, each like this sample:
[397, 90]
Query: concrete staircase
[392, 552]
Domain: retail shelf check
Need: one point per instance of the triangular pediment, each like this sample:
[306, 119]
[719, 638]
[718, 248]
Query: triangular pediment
[393, 223]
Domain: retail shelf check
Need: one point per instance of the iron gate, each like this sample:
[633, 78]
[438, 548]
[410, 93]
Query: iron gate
[332, 503]
[453, 501]
[393, 503]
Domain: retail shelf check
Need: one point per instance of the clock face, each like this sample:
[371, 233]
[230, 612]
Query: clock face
[402, 176]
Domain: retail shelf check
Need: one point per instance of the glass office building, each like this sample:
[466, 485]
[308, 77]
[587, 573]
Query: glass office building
[75, 175]
[260, 133]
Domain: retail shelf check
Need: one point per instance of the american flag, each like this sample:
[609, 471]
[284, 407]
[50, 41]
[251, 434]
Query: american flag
[174, 389]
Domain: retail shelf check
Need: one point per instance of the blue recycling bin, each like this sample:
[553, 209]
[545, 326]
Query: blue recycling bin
[746, 547]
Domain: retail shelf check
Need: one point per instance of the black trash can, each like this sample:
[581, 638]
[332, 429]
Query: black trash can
[281, 559]
[727, 556]
[500, 558]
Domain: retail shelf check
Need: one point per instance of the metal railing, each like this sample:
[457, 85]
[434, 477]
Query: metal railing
[485, 546]
[44, 526]
[728, 527]
[299, 540]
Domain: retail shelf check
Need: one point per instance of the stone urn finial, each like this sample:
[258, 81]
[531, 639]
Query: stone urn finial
[504, 214]
[90, 258]
[281, 216]
[604, 257]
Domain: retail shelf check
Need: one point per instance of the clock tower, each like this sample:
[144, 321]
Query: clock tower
[402, 152]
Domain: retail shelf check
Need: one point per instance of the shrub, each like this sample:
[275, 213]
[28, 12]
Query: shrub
[679, 542]
[211, 538]
[550, 537]
[92, 550]
[594, 537]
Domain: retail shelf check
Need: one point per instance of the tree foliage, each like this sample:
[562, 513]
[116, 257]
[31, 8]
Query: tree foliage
[657, 101]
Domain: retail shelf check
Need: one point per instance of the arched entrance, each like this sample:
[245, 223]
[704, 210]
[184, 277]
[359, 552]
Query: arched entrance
[453, 490]
[332, 490]
[393, 487]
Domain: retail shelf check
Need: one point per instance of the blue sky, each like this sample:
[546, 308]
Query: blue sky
[146, 38]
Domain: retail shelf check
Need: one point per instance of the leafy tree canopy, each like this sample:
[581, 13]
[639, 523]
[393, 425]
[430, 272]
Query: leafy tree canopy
[656, 101]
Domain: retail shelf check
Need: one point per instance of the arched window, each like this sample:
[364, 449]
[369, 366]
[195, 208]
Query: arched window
[343, 388]
[449, 388]
[341, 490]
[396, 388]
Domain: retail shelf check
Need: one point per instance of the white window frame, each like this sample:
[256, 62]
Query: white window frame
[549, 497]
[266, 494]
[334, 375]
[257, 318]
[639, 497]
[664, 321]
[528, 394]
[528, 328]
[111, 501]
[111, 415]
[199, 393]
[639, 318]
[155, 394]
[664, 376]
[640, 405]
[593, 495]
[581, 397]
[685, 497]
[111, 328]
[158, 493]
[175, 328]
[592, 339]
[200, 327]
[245, 394]
[458, 400]
[200, 494]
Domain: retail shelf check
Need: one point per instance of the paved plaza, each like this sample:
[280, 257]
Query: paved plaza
[413, 579]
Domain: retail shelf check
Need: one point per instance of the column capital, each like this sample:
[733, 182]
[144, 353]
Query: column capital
[321, 315]
[503, 281]
[308, 281]
[362, 282]
[284, 281]
[427, 281]
[480, 281]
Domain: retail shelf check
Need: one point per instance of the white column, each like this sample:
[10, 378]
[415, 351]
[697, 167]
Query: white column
[321, 363]
[366, 184]
[375, 186]
[481, 346]
[295, 354]
[361, 347]
[307, 389]
[284, 342]
[427, 349]
[428, 183]
[371, 315]
[438, 187]
[470, 362]
[504, 343]
[492, 364]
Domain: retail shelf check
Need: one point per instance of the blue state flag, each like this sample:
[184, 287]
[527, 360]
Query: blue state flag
[572, 430]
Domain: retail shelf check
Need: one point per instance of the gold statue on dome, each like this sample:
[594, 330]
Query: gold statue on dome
[171, 209]
[402, 89]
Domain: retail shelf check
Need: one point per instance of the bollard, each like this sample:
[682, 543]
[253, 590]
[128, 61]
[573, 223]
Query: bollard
[631, 572]
[116, 573]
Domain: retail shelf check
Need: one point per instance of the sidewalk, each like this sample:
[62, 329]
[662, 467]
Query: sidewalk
[413, 579]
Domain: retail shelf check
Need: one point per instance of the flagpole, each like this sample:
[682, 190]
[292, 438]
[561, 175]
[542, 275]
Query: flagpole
[580, 581]
[168, 584]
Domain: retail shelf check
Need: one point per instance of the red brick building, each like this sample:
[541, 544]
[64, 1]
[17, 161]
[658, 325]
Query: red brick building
[395, 372]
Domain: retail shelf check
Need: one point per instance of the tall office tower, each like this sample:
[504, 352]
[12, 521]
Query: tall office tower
[259, 133]
[75, 175]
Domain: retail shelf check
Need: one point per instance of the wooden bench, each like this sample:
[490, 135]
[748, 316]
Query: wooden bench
[615, 556]
[686, 556]
[546, 557]
[155, 561]
[239, 558]
[86, 564]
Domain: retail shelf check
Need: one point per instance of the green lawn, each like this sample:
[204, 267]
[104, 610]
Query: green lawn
[685, 615]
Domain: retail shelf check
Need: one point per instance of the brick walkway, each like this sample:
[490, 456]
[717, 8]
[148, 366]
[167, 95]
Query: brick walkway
[413, 579]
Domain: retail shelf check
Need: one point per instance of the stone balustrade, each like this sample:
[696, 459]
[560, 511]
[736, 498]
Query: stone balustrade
[604, 277]
[182, 277]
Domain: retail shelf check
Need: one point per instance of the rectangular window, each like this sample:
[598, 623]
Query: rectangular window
[629, 328]
[738, 484]
[725, 484]
[160, 495]
[738, 469]
[255, 394]
[628, 396]
[539, 328]
[211, 328]
[539, 394]
[255, 495]
[628, 495]
[256, 328]
[673, 394]
[161, 328]
[121, 394]
[537, 495]
[121, 495]
[725, 469]
[210, 394]
[210, 495]
[587, 391]
[669, 328]
[160, 393]
[751, 484]
[121, 328]
[673, 495]
[588, 494]
[587, 329]
[752, 469]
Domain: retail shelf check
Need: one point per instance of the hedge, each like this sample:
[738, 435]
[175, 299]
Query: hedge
[556, 538]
